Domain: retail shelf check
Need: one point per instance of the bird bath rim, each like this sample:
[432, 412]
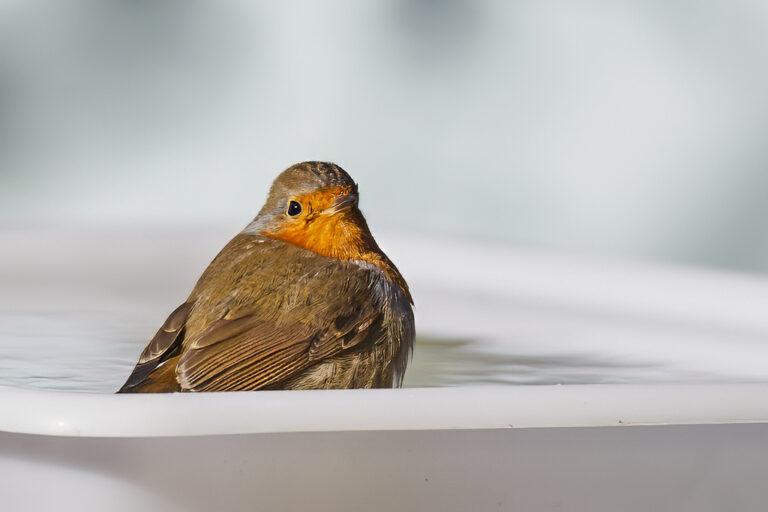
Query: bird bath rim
[199, 414]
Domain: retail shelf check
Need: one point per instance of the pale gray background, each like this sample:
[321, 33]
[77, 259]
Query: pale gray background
[629, 129]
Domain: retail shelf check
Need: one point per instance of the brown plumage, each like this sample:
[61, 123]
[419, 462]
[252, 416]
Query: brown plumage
[303, 298]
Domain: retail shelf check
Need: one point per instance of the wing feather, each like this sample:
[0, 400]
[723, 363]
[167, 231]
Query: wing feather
[165, 344]
[251, 353]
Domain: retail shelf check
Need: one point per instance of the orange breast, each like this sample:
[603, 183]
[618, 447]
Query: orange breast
[344, 235]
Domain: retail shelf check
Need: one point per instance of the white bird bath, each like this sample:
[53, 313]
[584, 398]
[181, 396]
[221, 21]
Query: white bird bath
[652, 389]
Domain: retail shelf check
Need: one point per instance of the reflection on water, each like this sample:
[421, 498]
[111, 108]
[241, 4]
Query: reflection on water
[443, 362]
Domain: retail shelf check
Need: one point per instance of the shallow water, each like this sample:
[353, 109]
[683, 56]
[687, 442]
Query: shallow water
[63, 351]
[95, 352]
[78, 322]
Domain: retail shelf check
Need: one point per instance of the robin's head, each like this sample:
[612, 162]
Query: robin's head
[314, 205]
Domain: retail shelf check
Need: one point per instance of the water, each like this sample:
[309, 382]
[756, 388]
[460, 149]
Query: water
[65, 351]
[96, 351]
[79, 320]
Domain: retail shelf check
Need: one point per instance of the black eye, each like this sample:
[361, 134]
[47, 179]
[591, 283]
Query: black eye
[294, 208]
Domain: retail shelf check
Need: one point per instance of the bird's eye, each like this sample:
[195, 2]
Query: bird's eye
[294, 208]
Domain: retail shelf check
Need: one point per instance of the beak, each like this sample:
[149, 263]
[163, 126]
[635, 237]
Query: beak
[341, 204]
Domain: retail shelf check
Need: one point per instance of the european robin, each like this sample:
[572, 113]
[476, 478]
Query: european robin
[302, 298]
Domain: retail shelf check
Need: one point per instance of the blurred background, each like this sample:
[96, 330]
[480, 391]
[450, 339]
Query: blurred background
[629, 129]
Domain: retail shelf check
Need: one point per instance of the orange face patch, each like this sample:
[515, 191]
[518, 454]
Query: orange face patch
[318, 228]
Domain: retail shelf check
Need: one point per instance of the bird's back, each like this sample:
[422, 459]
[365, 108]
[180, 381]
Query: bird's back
[267, 314]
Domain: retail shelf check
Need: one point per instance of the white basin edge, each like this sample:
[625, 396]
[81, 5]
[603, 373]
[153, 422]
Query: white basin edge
[194, 414]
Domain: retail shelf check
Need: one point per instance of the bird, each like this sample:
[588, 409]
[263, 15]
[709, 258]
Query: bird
[302, 298]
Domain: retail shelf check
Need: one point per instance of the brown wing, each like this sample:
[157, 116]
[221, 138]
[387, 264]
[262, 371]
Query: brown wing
[163, 346]
[249, 352]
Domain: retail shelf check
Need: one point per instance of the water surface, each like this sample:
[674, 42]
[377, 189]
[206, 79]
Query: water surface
[95, 352]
